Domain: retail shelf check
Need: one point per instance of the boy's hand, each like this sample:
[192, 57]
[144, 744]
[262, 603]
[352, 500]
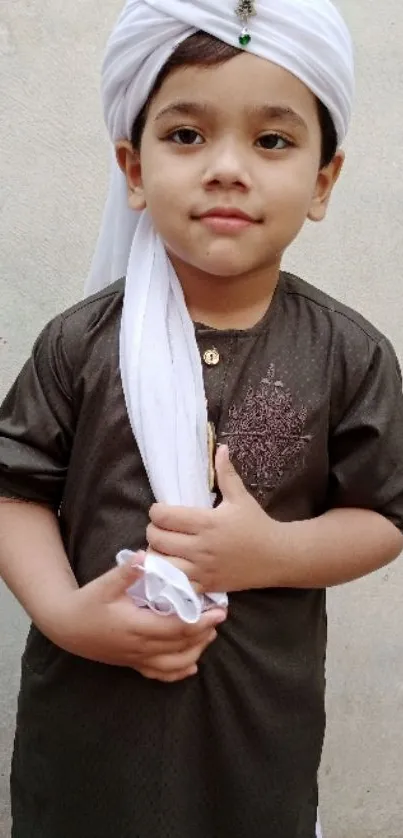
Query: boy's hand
[222, 549]
[101, 623]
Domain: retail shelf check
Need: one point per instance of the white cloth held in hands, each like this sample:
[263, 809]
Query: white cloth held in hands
[166, 590]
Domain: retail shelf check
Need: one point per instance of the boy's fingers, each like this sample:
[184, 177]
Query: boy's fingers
[181, 519]
[111, 587]
[210, 619]
[169, 543]
[156, 648]
[156, 627]
[169, 678]
[228, 480]
[116, 582]
[166, 664]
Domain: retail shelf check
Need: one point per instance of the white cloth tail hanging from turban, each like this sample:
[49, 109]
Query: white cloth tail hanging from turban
[169, 421]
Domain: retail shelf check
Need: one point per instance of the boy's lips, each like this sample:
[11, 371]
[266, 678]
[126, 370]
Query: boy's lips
[226, 219]
[227, 212]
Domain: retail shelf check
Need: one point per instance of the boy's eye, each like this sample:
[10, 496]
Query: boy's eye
[186, 136]
[273, 142]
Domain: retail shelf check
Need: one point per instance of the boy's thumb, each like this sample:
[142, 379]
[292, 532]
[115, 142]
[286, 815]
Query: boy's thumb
[228, 479]
[117, 581]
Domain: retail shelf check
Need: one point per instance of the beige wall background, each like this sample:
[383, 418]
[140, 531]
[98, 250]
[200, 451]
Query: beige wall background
[53, 169]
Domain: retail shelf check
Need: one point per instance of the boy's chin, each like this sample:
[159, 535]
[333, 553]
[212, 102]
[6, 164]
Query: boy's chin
[224, 271]
[224, 266]
[220, 262]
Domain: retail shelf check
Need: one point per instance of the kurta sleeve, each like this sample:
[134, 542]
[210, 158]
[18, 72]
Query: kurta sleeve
[366, 447]
[37, 424]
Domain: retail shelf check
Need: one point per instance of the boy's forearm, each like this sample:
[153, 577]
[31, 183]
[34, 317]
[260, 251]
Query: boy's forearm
[336, 548]
[33, 562]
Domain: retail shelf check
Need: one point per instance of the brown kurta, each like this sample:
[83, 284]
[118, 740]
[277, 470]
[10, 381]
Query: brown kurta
[310, 403]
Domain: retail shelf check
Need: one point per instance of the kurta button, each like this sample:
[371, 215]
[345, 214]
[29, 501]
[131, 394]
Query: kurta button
[211, 357]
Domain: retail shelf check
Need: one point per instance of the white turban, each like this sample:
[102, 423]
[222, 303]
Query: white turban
[160, 362]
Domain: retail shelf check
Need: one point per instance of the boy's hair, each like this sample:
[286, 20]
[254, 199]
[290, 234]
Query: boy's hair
[203, 50]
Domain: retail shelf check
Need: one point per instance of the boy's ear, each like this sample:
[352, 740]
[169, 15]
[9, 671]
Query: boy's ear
[327, 178]
[129, 162]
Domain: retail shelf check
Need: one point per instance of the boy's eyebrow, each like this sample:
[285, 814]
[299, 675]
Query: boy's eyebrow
[264, 112]
[281, 112]
[184, 109]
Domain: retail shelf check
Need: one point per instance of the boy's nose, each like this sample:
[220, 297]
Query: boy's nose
[227, 168]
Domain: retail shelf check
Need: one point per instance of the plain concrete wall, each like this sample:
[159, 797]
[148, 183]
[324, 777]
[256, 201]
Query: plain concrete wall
[53, 167]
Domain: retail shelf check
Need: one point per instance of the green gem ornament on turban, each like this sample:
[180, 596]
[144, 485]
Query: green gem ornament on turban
[245, 10]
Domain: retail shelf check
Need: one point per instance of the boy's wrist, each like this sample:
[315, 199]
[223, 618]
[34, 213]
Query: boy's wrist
[272, 550]
[56, 616]
[284, 549]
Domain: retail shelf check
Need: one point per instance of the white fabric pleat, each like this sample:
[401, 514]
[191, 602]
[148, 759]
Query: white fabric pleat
[167, 407]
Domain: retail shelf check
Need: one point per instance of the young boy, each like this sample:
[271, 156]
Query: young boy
[227, 127]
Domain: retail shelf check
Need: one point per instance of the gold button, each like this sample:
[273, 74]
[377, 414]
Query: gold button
[211, 357]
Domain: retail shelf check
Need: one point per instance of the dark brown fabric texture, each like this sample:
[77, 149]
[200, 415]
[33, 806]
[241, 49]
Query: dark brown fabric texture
[310, 403]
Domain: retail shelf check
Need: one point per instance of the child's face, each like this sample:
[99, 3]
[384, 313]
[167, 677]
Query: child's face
[243, 136]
